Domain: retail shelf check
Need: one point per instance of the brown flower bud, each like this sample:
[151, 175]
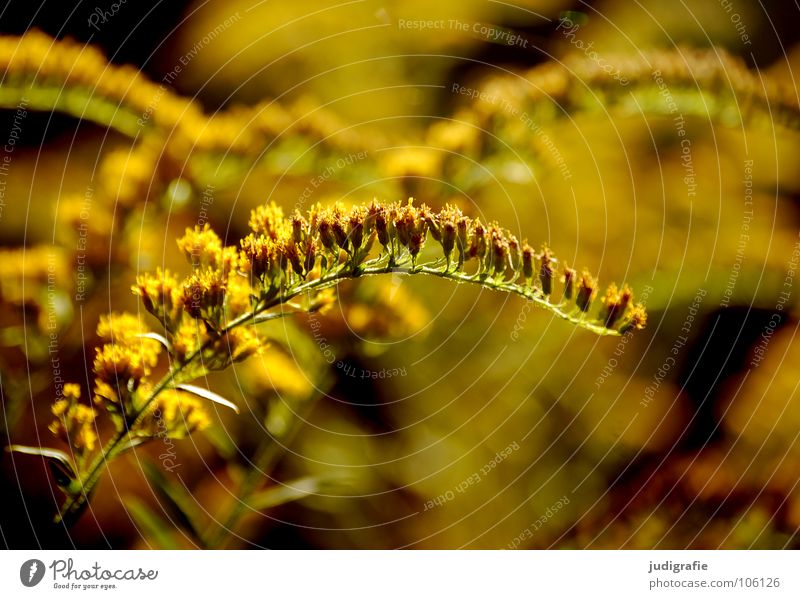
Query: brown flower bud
[546, 270]
[310, 255]
[326, 235]
[477, 241]
[514, 253]
[448, 234]
[339, 232]
[615, 303]
[499, 253]
[587, 288]
[569, 281]
[382, 226]
[406, 223]
[433, 226]
[527, 262]
[636, 320]
[299, 227]
[355, 232]
[462, 237]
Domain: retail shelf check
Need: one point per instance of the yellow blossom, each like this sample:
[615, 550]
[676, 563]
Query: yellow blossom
[162, 297]
[173, 414]
[202, 247]
[74, 422]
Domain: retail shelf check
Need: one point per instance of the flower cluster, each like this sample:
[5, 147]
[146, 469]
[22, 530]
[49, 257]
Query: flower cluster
[195, 311]
[173, 414]
[123, 368]
[204, 315]
[282, 254]
[74, 422]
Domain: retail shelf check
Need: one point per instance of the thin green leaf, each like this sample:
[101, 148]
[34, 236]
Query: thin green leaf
[177, 501]
[221, 441]
[266, 316]
[130, 443]
[156, 337]
[156, 531]
[285, 493]
[60, 463]
[209, 395]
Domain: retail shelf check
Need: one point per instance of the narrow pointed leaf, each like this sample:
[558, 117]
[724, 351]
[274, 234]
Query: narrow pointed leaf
[177, 501]
[154, 528]
[59, 462]
[156, 337]
[129, 443]
[266, 316]
[285, 493]
[209, 395]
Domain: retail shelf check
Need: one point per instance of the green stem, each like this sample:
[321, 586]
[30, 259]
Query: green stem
[267, 456]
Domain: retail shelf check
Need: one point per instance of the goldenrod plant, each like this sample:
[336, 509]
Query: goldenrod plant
[281, 302]
[287, 264]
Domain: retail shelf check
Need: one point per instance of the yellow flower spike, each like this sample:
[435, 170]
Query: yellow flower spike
[60, 407]
[74, 422]
[202, 247]
[244, 343]
[237, 295]
[120, 370]
[162, 296]
[191, 335]
[122, 327]
[105, 394]
[267, 220]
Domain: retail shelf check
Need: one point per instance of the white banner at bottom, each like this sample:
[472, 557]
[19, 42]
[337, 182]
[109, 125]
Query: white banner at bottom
[387, 574]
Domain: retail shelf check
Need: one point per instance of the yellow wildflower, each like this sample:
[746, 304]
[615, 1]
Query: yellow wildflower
[173, 414]
[202, 247]
[74, 422]
[162, 297]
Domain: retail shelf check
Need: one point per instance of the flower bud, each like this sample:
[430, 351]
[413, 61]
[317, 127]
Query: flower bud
[587, 288]
[355, 232]
[514, 253]
[406, 223]
[382, 225]
[339, 232]
[636, 320]
[546, 271]
[462, 241]
[527, 262]
[299, 227]
[448, 235]
[477, 242]
[326, 235]
[310, 255]
[615, 303]
[433, 226]
[499, 253]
